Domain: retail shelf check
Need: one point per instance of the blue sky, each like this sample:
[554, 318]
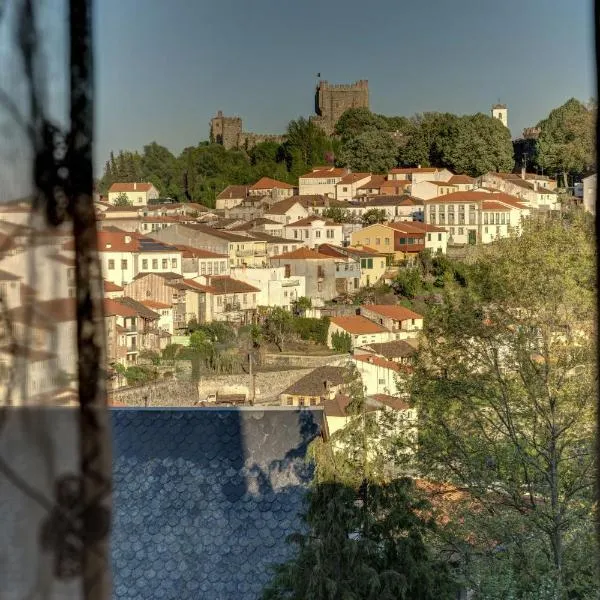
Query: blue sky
[164, 67]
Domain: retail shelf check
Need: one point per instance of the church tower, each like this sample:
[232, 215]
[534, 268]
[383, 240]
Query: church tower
[500, 111]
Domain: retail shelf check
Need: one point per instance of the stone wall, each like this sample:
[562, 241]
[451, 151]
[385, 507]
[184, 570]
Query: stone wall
[185, 393]
[309, 362]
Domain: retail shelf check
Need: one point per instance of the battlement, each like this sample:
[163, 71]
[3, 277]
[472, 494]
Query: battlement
[361, 84]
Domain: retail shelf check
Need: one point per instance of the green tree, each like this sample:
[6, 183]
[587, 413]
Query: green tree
[159, 167]
[302, 304]
[474, 145]
[355, 121]
[336, 214]
[374, 215]
[306, 144]
[567, 142]
[407, 283]
[504, 383]
[278, 327]
[123, 200]
[341, 341]
[371, 151]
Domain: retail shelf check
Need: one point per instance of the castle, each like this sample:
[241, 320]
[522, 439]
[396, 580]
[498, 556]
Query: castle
[228, 132]
[331, 101]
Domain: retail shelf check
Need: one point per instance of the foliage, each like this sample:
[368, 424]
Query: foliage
[567, 142]
[371, 151]
[314, 330]
[278, 327]
[306, 145]
[302, 304]
[123, 200]
[356, 121]
[407, 283]
[171, 351]
[374, 215]
[472, 144]
[140, 375]
[337, 214]
[150, 355]
[341, 341]
[365, 543]
[503, 385]
[216, 331]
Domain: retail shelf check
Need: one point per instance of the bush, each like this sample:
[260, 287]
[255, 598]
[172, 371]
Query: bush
[341, 342]
[407, 283]
[150, 355]
[314, 330]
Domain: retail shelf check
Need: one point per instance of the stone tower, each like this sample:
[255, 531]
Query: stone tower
[331, 101]
[500, 111]
[226, 130]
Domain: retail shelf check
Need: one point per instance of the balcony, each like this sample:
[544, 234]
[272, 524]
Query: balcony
[232, 306]
[245, 252]
[290, 283]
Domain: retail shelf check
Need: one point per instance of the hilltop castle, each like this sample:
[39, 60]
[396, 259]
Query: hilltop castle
[228, 132]
[331, 101]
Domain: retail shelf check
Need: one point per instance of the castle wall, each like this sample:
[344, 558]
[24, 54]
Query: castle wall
[333, 100]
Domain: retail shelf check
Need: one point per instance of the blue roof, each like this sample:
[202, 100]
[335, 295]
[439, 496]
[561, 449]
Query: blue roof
[205, 498]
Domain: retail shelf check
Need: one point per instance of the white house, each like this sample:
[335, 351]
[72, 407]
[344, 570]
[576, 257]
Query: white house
[401, 322]
[164, 310]
[361, 330]
[231, 196]
[418, 174]
[321, 180]
[138, 194]
[287, 211]
[431, 189]
[278, 190]
[277, 287]
[315, 230]
[379, 375]
[347, 187]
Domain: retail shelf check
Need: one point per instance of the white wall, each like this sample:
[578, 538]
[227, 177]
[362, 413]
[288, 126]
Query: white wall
[315, 233]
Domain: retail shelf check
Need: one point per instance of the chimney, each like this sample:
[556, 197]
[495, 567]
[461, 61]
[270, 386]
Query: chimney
[134, 185]
[127, 239]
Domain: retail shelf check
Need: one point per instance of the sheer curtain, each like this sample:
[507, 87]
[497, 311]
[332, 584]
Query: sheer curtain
[55, 458]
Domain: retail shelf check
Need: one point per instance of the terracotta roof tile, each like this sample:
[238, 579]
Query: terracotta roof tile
[314, 383]
[266, 183]
[487, 205]
[353, 178]
[233, 191]
[391, 401]
[408, 170]
[109, 286]
[190, 252]
[357, 325]
[282, 207]
[130, 187]
[311, 219]
[325, 173]
[393, 311]
[223, 284]
[375, 182]
[301, 254]
[152, 304]
[461, 179]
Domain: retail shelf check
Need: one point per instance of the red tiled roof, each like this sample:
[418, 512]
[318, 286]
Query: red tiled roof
[154, 304]
[357, 324]
[325, 173]
[377, 360]
[233, 191]
[112, 307]
[468, 196]
[393, 311]
[391, 401]
[375, 182]
[457, 179]
[130, 187]
[302, 254]
[280, 208]
[487, 205]
[353, 177]
[199, 286]
[266, 183]
[414, 227]
[109, 286]
[223, 284]
[441, 183]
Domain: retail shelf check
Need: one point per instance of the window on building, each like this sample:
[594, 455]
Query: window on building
[381, 381]
[209, 268]
[318, 233]
[320, 286]
[378, 241]
[245, 299]
[387, 241]
[485, 218]
[124, 264]
[367, 241]
[345, 189]
[144, 264]
[502, 218]
[369, 263]
[295, 233]
[330, 233]
[306, 234]
[428, 237]
[165, 263]
[321, 272]
[219, 300]
[155, 263]
[285, 249]
[173, 263]
[288, 270]
[202, 268]
[439, 237]
[461, 231]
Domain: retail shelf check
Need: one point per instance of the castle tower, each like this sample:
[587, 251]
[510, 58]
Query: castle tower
[500, 111]
[225, 130]
[331, 101]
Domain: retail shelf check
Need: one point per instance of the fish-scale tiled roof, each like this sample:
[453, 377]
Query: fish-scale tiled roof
[204, 499]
